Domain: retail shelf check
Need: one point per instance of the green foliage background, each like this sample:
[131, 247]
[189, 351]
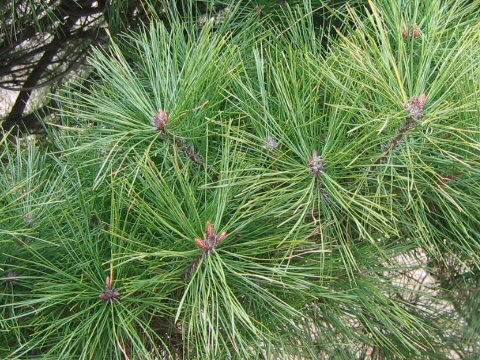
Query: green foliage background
[310, 265]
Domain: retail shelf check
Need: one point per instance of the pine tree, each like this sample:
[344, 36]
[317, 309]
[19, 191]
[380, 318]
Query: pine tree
[243, 186]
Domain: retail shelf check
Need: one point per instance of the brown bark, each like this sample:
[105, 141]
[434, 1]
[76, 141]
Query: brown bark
[70, 12]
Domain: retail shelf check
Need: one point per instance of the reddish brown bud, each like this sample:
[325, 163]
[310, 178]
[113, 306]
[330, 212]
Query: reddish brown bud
[317, 163]
[415, 106]
[416, 31]
[211, 239]
[221, 237]
[160, 120]
[210, 231]
[110, 293]
[422, 99]
[201, 243]
[411, 31]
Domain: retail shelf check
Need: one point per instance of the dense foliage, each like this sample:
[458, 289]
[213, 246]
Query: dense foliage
[250, 187]
[44, 44]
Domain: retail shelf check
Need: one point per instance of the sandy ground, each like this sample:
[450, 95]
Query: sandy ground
[7, 99]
